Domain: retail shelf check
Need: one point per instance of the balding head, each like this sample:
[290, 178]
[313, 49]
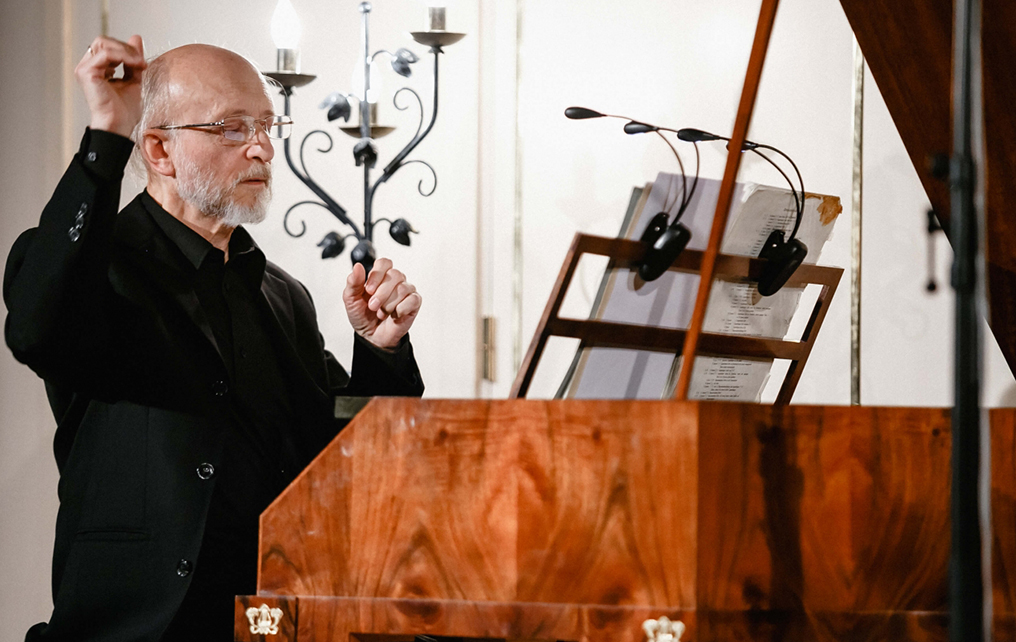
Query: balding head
[178, 79]
[193, 171]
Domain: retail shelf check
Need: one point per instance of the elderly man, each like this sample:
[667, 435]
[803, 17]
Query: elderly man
[187, 374]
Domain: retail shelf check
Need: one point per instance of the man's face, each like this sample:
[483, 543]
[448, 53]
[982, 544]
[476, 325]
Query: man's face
[223, 179]
[227, 199]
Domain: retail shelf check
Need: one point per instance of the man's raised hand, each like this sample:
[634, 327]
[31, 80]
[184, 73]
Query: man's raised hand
[381, 306]
[114, 103]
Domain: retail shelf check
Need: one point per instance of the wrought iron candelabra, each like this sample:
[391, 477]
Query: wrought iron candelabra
[364, 152]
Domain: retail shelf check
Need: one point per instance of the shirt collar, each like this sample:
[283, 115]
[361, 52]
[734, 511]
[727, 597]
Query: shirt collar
[247, 256]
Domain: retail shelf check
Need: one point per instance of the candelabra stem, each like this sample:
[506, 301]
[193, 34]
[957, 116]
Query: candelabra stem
[368, 196]
[365, 133]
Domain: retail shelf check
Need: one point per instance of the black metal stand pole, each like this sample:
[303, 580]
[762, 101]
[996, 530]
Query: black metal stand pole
[966, 588]
[365, 121]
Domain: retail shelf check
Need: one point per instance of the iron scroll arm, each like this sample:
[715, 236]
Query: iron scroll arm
[303, 226]
[326, 200]
[419, 103]
[419, 186]
[397, 162]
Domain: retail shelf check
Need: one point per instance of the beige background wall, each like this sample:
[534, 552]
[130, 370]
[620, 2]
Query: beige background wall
[516, 181]
[30, 99]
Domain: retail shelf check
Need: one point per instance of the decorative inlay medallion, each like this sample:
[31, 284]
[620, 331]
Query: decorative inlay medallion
[265, 621]
[663, 630]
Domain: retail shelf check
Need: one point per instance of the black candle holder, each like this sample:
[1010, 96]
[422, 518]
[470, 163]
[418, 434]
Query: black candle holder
[364, 152]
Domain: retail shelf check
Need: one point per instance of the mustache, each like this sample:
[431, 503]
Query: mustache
[262, 173]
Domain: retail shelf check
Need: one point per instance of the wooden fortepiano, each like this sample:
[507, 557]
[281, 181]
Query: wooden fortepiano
[579, 520]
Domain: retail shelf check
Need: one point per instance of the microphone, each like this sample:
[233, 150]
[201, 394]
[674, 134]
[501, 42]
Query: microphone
[582, 113]
[639, 128]
[691, 135]
[665, 241]
[783, 257]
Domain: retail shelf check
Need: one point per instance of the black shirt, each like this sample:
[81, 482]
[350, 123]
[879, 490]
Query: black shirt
[258, 458]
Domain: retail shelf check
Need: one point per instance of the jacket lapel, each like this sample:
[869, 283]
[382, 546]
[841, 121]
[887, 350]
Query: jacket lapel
[188, 300]
[149, 250]
[276, 297]
[276, 294]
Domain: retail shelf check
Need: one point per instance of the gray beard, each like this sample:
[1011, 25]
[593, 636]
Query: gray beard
[197, 187]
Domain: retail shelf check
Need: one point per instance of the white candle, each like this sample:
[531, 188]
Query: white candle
[372, 114]
[286, 35]
[436, 13]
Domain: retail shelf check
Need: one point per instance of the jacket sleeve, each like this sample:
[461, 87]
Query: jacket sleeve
[378, 372]
[55, 281]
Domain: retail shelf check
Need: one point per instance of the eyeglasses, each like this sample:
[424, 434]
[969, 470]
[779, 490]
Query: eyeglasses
[241, 129]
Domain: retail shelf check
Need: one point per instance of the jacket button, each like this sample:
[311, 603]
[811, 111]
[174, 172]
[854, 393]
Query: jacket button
[184, 568]
[206, 471]
[220, 388]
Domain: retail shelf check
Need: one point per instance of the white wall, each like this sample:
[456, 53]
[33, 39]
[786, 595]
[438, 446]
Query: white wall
[31, 101]
[678, 64]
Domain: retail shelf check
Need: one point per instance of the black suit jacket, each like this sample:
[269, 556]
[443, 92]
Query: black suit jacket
[100, 309]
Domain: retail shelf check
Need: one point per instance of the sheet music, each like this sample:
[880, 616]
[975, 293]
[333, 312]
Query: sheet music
[738, 308]
[734, 307]
[724, 378]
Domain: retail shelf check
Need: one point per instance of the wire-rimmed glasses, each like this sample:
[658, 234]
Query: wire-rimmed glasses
[242, 129]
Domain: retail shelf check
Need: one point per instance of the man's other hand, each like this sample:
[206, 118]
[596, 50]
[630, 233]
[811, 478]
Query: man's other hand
[381, 306]
[114, 103]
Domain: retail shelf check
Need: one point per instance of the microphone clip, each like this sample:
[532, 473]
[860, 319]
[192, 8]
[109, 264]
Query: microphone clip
[782, 259]
[665, 243]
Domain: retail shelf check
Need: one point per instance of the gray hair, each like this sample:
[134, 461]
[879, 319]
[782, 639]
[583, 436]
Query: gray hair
[154, 105]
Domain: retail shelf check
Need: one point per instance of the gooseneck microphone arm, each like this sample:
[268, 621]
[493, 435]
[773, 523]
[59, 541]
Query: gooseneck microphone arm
[638, 127]
[798, 206]
[663, 239]
[685, 196]
[797, 223]
[697, 135]
[694, 183]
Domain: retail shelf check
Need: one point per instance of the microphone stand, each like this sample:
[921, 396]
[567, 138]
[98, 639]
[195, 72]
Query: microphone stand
[968, 613]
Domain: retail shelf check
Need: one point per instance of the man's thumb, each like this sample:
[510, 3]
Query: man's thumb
[136, 42]
[356, 279]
